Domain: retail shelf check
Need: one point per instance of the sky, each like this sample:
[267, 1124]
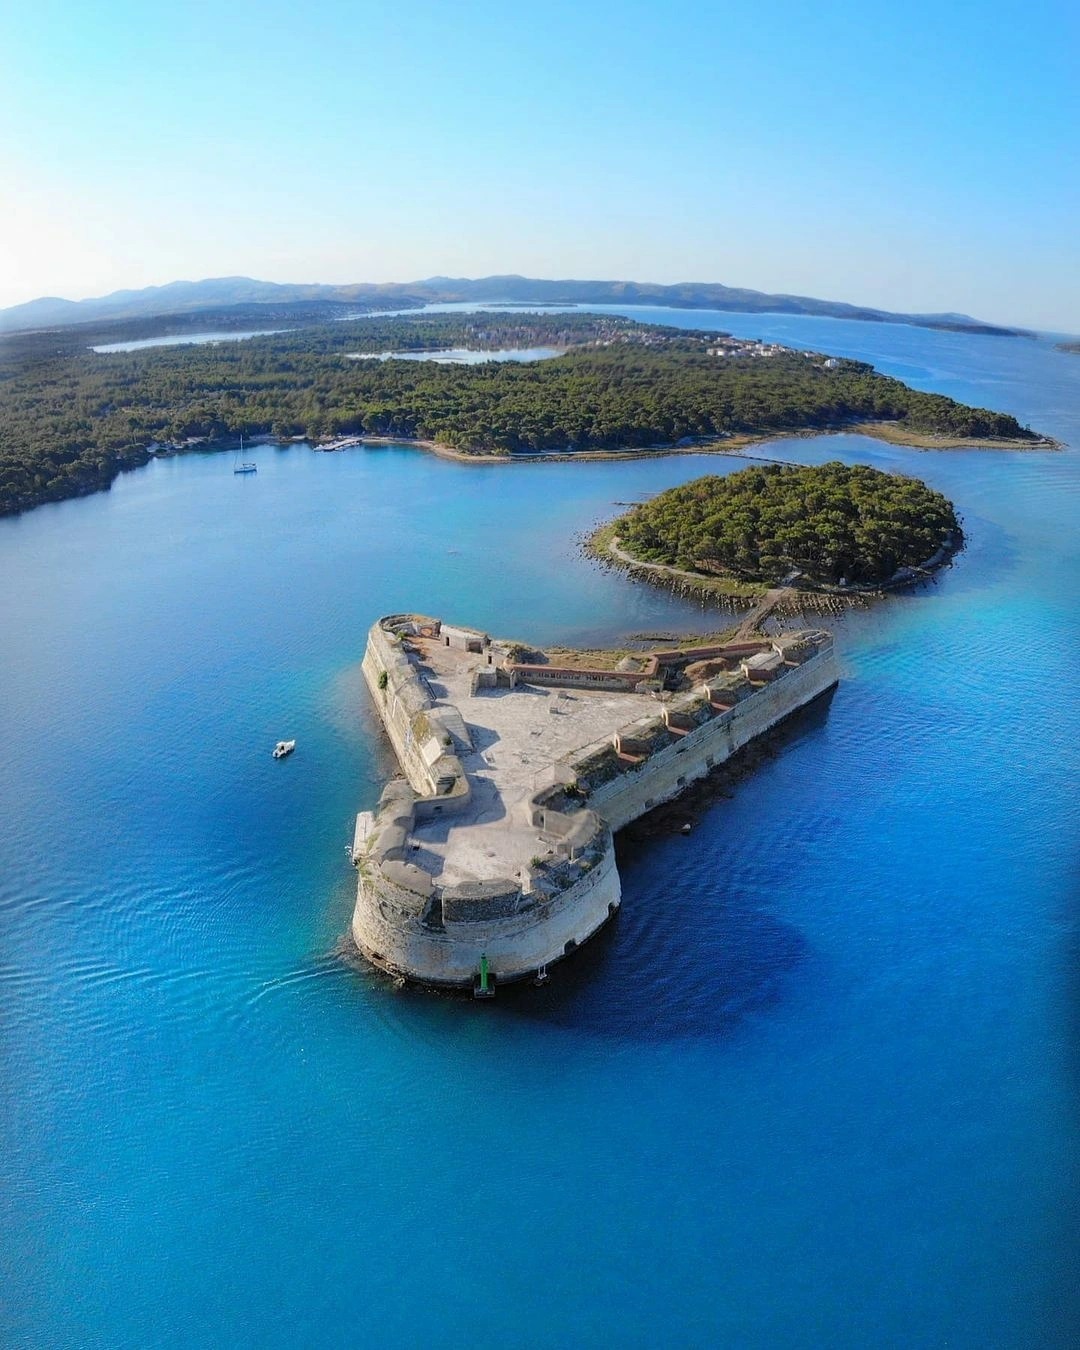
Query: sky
[908, 155]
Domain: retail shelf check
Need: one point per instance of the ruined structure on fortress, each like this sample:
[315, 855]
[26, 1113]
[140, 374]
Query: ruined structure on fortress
[495, 847]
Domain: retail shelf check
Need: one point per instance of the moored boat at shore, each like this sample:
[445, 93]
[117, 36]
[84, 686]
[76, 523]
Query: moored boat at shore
[243, 465]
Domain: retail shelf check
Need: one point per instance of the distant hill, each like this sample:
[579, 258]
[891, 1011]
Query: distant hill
[187, 297]
[182, 297]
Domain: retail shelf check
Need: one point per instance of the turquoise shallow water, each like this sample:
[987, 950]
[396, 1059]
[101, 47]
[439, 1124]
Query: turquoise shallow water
[816, 1086]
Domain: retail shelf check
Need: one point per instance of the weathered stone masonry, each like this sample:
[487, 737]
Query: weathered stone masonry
[418, 913]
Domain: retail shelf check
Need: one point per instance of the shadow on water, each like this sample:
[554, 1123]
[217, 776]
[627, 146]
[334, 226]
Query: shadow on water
[682, 958]
[638, 980]
[681, 977]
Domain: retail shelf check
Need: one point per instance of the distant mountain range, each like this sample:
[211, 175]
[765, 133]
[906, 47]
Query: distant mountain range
[189, 297]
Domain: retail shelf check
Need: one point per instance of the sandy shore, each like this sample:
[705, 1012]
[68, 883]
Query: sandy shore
[914, 440]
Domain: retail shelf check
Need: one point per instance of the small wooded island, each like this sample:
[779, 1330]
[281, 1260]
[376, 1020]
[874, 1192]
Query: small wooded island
[71, 418]
[829, 526]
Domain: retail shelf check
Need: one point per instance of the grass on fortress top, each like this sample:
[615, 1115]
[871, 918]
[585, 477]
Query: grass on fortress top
[831, 523]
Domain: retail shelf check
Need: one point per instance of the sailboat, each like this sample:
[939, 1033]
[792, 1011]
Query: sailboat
[240, 465]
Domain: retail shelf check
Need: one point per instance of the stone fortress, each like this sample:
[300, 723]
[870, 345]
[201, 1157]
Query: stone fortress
[494, 852]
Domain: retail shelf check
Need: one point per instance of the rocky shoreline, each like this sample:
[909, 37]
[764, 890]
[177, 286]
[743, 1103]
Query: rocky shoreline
[604, 545]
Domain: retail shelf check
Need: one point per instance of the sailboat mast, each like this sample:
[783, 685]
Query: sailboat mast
[240, 465]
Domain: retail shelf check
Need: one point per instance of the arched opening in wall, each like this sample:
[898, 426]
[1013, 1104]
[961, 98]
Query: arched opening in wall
[570, 946]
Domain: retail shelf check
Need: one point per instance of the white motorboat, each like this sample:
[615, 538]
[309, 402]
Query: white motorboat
[284, 748]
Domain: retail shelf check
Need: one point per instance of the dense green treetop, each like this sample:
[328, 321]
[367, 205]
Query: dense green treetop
[71, 419]
[830, 522]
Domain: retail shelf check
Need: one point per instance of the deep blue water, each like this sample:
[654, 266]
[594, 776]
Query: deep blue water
[817, 1086]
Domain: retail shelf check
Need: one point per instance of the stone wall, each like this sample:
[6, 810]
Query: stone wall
[649, 675]
[571, 677]
[398, 931]
[662, 774]
[422, 743]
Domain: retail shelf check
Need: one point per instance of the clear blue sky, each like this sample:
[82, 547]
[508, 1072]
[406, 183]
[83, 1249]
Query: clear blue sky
[917, 156]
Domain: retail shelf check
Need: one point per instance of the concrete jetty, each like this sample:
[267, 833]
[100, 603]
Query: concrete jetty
[495, 846]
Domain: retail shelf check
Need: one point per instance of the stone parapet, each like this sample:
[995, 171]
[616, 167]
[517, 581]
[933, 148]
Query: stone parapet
[422, 742]
[667, 763]
[439, 938]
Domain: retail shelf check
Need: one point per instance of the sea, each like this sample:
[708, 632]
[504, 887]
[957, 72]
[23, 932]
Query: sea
[816, 1085]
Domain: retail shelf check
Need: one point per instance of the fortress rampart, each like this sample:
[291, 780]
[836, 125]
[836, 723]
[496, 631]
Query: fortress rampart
[691, 738]
[497, 842]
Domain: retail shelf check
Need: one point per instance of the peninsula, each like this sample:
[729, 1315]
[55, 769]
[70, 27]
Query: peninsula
[491, 857]
[72, 418]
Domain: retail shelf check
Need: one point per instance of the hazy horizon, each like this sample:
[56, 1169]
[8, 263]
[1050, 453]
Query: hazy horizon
[481, 276]
[845, 152]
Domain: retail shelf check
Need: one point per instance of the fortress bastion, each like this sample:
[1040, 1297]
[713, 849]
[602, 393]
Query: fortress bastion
[494, 848]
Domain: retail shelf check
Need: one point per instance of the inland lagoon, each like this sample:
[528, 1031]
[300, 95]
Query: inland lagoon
[463, 356]
[816, 1084]
[181, 340]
